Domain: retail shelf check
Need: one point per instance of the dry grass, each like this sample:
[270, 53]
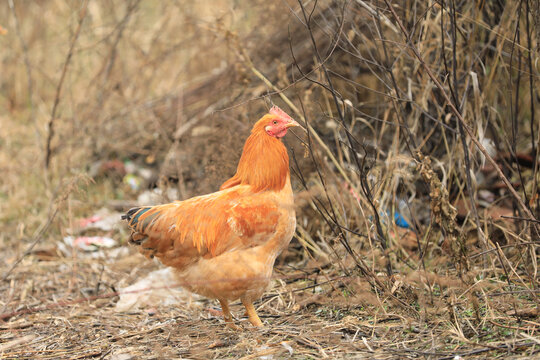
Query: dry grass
[429, 109]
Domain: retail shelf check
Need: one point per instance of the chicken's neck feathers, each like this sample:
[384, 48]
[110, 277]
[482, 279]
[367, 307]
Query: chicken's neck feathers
[264, 164]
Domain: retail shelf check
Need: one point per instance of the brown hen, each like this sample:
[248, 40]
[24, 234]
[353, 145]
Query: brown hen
[223, 245]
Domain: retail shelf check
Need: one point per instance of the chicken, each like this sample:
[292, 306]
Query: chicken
[223, 245]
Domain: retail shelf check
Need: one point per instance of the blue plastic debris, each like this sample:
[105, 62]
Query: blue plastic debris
[400, 220]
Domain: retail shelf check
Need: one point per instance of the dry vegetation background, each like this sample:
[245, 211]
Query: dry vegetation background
[426, 109]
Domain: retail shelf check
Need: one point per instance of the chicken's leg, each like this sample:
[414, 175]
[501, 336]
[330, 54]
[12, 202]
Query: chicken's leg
[227, 314]
[252, 313]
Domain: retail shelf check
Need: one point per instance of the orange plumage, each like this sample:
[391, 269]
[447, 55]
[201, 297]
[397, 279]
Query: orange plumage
[223, 245]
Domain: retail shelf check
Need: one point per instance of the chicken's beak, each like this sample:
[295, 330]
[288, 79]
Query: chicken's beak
[293, 123]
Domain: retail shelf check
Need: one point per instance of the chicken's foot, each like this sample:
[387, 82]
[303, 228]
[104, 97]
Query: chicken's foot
[252, 313]
[227, 315]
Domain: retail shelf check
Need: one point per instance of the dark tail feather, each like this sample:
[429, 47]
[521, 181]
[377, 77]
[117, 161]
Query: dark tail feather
[130, 213]
[147, 245]
[137, 211]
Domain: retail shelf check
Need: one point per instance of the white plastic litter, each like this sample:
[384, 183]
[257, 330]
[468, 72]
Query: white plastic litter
[262, 348]
[90, 243]
[157, 288]
[157, 196]
[103, 219]
[288, 347]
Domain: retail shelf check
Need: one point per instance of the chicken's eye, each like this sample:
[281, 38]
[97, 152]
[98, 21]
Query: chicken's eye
[274, 122]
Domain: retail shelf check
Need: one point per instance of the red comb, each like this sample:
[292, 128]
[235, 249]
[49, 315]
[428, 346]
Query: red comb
[282, 114]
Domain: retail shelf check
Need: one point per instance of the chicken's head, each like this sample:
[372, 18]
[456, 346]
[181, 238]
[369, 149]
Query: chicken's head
[276, 122]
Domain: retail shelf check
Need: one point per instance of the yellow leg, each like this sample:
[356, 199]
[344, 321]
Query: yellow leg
[252, 313]
[227, 314]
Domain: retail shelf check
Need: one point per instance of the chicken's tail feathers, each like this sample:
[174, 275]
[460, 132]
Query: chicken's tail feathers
[127, 216]
[138, 237]
[133, 215]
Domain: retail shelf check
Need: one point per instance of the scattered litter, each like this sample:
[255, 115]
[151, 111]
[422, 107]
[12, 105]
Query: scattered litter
[157, 196]
[133, 181]
[364, 340]
[107, 254]
[101, 220]
[130, 166]
[136, 174]
[159, 287]
[486, 195]
[288, 347]
[107, 168]
[90, 220]
[90, 243]
[124, 354]
[264, 349]
[400, 220]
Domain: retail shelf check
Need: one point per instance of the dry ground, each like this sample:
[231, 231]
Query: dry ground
[66, 310]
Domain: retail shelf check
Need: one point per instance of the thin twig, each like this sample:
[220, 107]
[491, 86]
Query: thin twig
[38, 235]
[50, 125]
